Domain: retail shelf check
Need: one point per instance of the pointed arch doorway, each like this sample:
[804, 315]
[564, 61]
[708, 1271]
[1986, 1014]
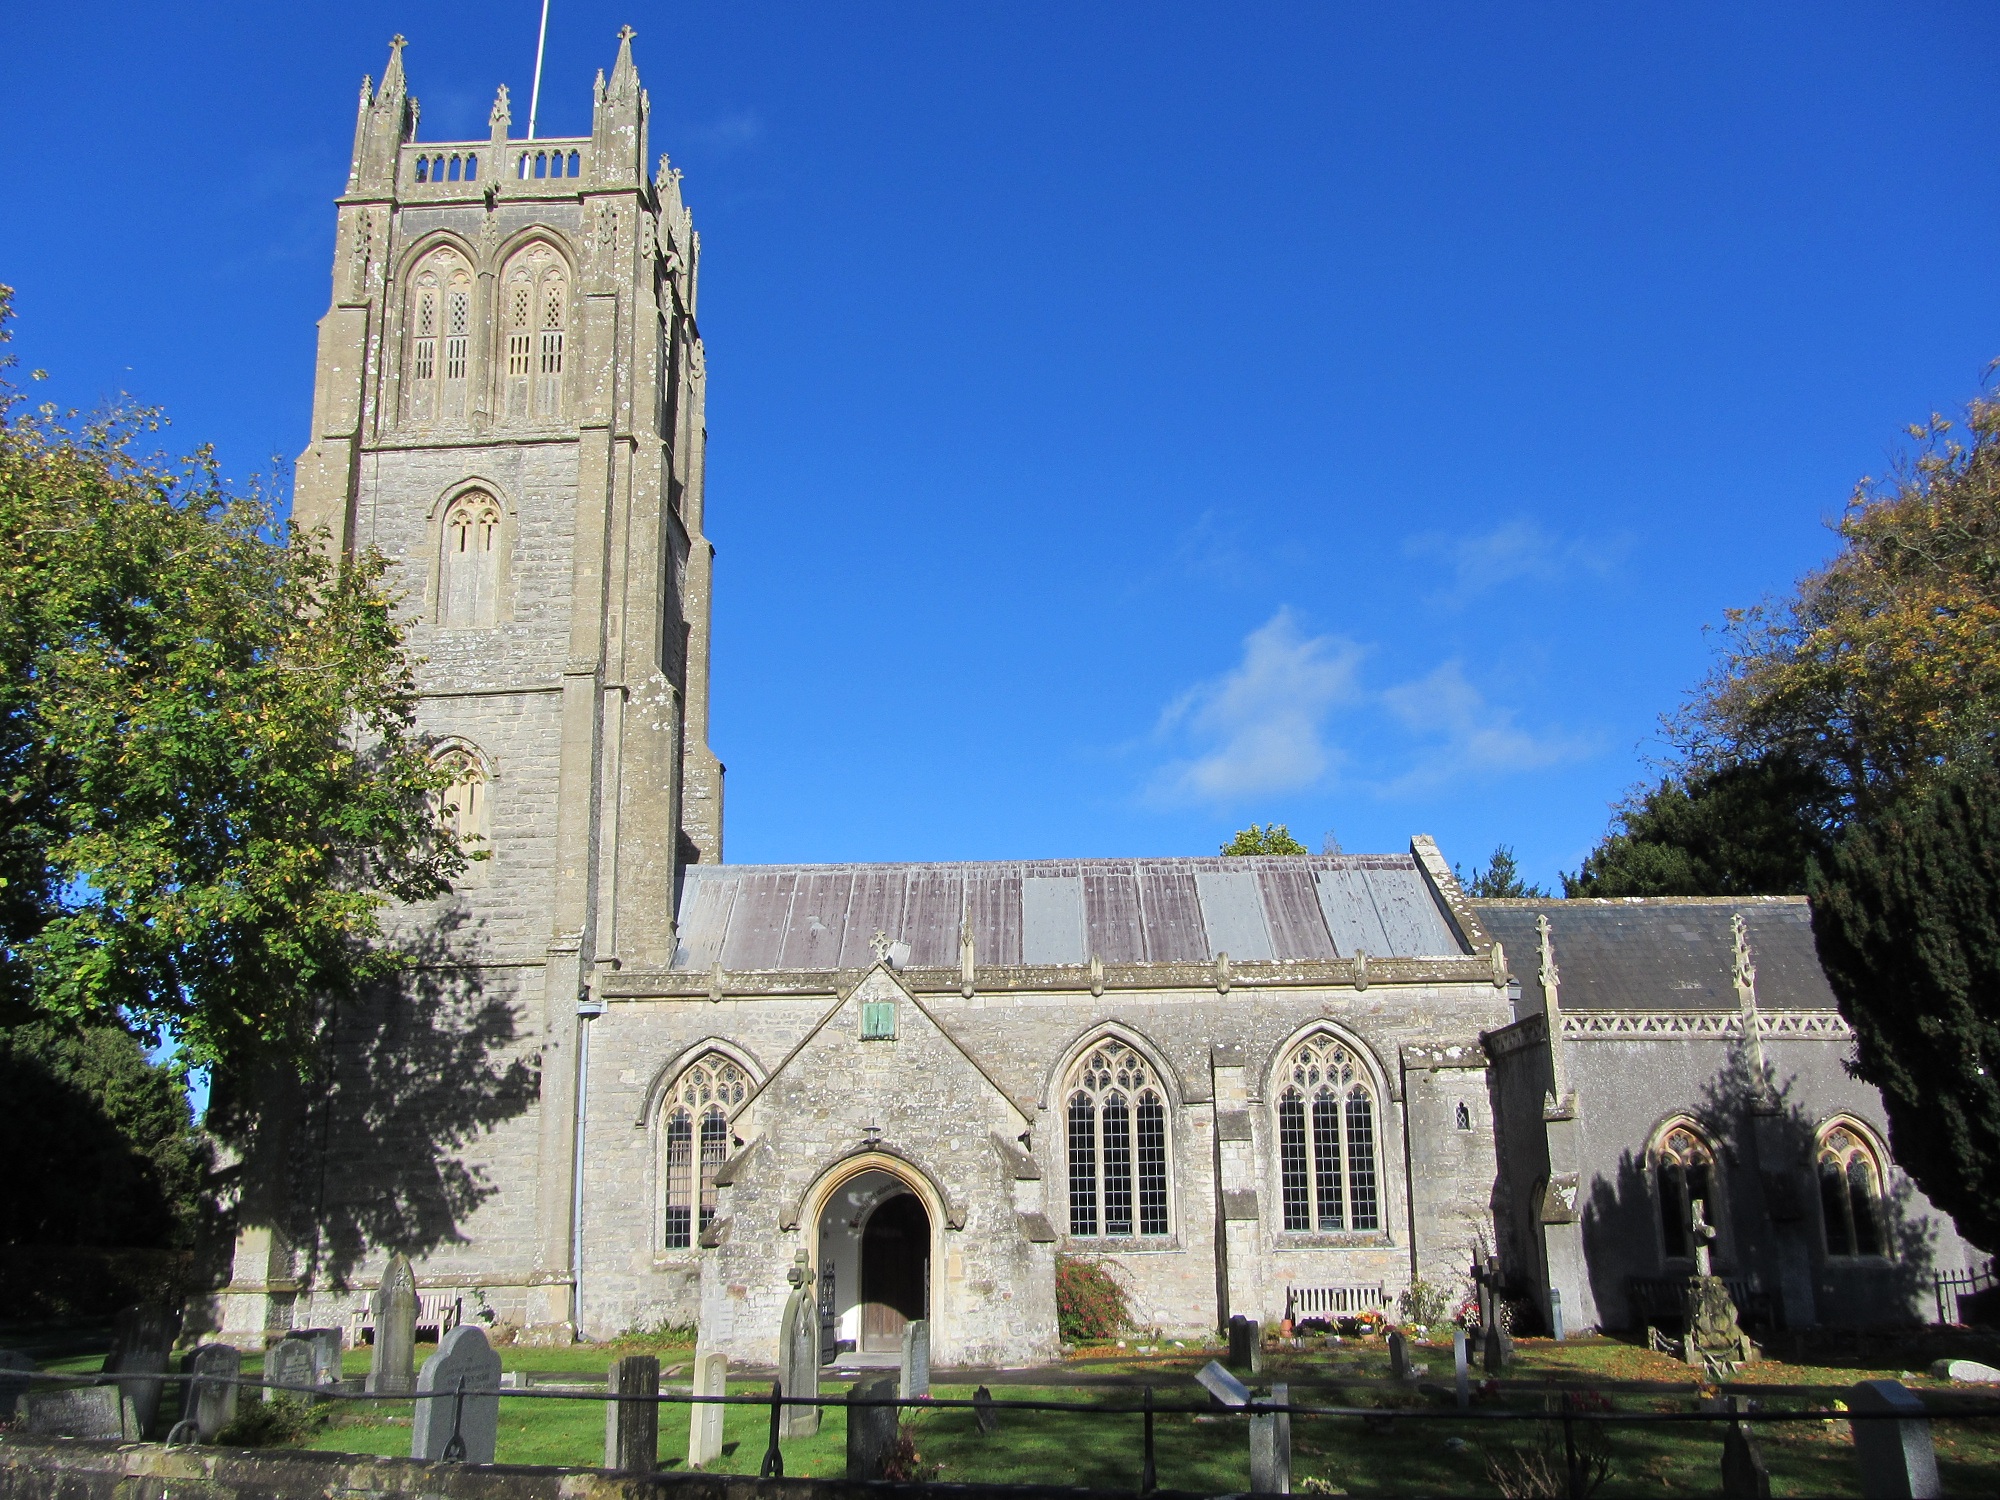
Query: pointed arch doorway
[875, 1265]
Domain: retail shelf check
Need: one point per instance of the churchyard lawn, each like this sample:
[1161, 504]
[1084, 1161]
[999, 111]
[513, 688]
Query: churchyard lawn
[1379, 1457]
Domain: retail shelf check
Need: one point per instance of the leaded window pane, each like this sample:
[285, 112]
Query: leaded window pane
[1293, 1174]
[1117, 1166]
[1082, 1165]
[1103, 1151]
[714, 1151]
[1152, 1123]
[1361, 1160]
[1326, 1161]
[679, 1180]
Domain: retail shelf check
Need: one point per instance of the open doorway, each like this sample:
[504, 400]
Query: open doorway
[874, 1267]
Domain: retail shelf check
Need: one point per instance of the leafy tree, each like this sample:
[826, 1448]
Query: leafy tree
[210, 777]
[1267, 838]
[1500, 879]
[1750, 829]
[1907, 920]
[101, 1148]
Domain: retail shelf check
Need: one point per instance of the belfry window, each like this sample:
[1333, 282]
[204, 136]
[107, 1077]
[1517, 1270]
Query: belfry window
[440, 332]
[1117, 1121]
[695, 1142]
[535, 311]
[1850, 1193]
[463, 805]
[469, 562]
[1326, 1140]
[1684, 1174]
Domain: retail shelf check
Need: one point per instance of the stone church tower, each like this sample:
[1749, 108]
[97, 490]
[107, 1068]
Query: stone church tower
[509, 405]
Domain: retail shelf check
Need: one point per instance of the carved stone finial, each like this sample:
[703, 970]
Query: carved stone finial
[502, 112]
[1551, 975]
[880, 944]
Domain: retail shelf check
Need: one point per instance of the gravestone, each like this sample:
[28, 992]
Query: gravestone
[13, 1384]
[326, 1347]
[1556, 1313]
[392, 1363]
[288, 1363]
[1896, 1457]
[632, 1428]
[210, 1399]
[798, 1353]
[1461, 1368]
[1399, 1356]
[89, 1411]
[464, 1357]
[984, 1412]
[1713, 1334]
[1969, 1370]
[1496, 1344]
[1246, 1344]
[915, 1381]
[711, 1378]
[1271, 1446]
[1744, 1476]
[871, 1430]
[141, 1340]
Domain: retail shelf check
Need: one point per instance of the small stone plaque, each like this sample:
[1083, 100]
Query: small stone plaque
[15, 1368]
[89, 1411]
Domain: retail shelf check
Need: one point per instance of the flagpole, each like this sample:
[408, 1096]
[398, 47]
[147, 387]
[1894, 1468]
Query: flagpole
[535, 97]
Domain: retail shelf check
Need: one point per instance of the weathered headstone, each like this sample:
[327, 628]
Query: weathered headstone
[141, 1339]
[288, 1363]
[88, 1411]
[15, 1368]
[1969, 1370]
[711, 1378]
[1223, 1387]
[632, 1428]
[1246, 1344]
[1556, 1313]
[798, 1353]
[1496, 1344]
[1271, 1446]
[915, 1378]
[210, 1397]
[464, 1362]
[1744, 1476]
[984, 1412]
[392, 1363]
[1895, 1456]
[1461, 1368]
[871, 1430]
[1399, 1356]
[327, 1345]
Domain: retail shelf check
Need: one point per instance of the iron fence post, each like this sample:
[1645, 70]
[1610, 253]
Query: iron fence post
[774, 1461]
[1149, 1479]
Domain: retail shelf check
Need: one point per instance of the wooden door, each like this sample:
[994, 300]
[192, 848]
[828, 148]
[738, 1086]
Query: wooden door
[895, 1272]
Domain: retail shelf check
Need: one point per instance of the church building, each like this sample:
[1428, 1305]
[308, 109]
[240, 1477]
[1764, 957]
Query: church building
[628, 1084]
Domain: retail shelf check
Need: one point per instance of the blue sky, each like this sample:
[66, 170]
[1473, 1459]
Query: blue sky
[1130, 421]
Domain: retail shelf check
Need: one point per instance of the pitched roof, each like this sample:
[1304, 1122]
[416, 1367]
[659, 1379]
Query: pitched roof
[821, 917]
[1667, 953]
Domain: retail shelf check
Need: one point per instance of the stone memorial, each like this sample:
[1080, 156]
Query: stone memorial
[142, 1338]
[871, 1430]
[87, 1411]
[1496, 1344]
[327, 1344]
[464, 1362]
[1461, 1368]
[1223, 1388]
[711, 1378]
[1271, 1445]
[1399, 1356]
[1896, 1458]
[392, 1364]
[1970, 1371]
[984, 1412]
[799, 1354]
[1714, 1337]
[1744, 1476]
[15, 1368]
[915, 1380]
[288, 1364]
[1556, 1314]
[1246, 1344]
[209, 1399]
[632, 1428]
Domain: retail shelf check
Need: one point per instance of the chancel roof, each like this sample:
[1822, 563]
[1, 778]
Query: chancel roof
[1662, 953]
[1027, 912]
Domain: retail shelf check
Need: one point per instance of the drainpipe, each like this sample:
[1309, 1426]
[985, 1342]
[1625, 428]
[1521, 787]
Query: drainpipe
[588, 1009]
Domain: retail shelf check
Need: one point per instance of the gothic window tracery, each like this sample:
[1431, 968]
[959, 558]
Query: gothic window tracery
[1329, 1178]
[695, 1143]
[535, 306]
[470, 561]
[1684, 1175]
[1850, 1193]
[465, 807]
[1116, 1116]
[440, 332]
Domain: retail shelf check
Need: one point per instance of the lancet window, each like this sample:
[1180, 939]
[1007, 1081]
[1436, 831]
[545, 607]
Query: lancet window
[1327, 1166]
[695, 1141]
[1850, 1193]
[470, 562]
[535, 315]
[464, 805]
[1116, 1116]
[440, 324]
[1684, 1175]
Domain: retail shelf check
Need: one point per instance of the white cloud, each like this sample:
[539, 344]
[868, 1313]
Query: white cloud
[1260, 727]
[1515, 551]
[1461, 733]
